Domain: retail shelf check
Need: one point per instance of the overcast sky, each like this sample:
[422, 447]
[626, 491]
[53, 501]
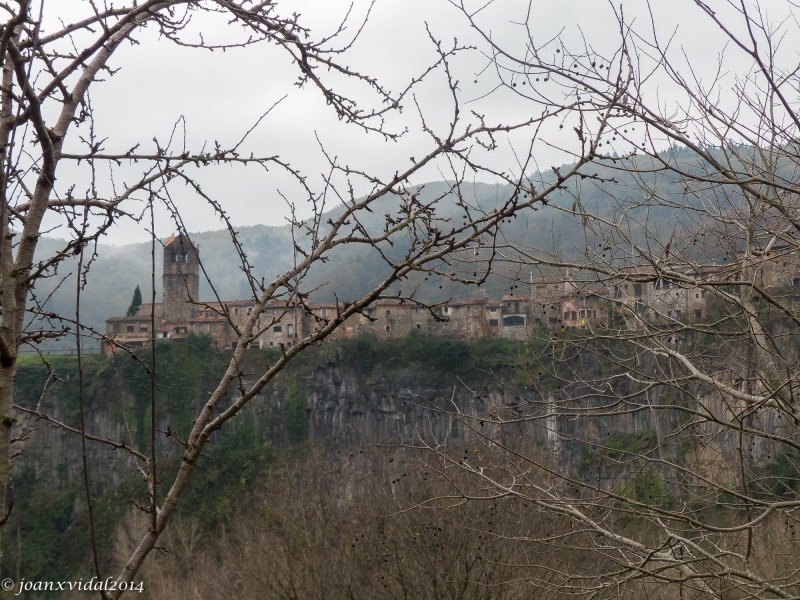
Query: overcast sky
[221, 95]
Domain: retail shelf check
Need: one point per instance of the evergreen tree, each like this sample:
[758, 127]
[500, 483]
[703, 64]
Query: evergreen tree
[136, 303]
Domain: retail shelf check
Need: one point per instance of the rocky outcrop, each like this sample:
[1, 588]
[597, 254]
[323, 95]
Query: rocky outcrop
[357, 407]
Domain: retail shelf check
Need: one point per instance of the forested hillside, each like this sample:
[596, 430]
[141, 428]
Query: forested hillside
[352, 270]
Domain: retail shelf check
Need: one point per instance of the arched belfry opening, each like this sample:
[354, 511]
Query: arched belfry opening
[181, 280]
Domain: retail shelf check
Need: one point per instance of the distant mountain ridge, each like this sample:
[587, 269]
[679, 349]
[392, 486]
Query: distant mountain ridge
[351, 270]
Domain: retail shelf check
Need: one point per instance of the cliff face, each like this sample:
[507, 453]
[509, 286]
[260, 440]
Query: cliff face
[355, 406]
[410, 404]
[343, 403]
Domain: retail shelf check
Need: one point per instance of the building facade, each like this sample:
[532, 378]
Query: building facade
[635, 296]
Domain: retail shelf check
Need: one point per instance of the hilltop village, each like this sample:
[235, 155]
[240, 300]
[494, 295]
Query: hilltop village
[552, 303]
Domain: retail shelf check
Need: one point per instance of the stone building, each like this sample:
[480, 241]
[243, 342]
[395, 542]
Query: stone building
[282, 323]
[636, 295]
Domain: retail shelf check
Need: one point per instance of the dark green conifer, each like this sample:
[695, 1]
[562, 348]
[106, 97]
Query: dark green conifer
[136, 303]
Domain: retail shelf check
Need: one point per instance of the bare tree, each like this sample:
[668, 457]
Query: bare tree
[47, 77]
[669, 403]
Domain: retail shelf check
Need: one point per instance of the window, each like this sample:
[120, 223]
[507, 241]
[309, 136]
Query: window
[212, 328]
[419, 326]
[144, 328]
[574, 316]
[233, 345]
[495, 310]
[513, 321]
[566, 316]
[493, 323]
[277, 329]
[198, 328]
[388, 312]
[164, 335]
[130, 328]
[516, 307]
[698, 313]
[290, 329]
[115, 328]
[249, 309]
[637, 290]
[324, 312]
[583, 314]
[617, 292]
[256, 345]
[669, 314]
[184, 258]
[677, 314]
[236, 311]
[388, 328]
[272, 343]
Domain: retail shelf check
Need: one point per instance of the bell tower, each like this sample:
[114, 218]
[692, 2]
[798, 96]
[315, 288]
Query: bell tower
[181, 279]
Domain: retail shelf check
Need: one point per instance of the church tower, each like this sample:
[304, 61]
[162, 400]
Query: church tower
[181, 280]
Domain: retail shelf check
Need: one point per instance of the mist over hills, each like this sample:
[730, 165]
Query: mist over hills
[354, 269]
